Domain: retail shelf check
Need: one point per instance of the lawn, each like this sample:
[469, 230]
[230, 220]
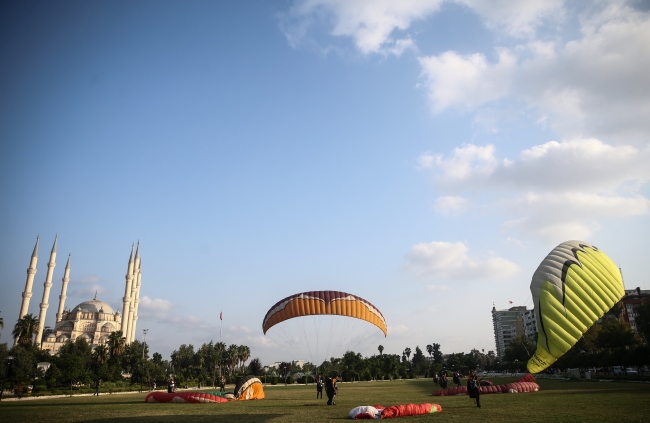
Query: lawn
[557, 401]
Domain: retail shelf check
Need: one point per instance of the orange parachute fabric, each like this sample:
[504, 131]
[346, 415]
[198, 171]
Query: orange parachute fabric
[181, 397]
[323, 303]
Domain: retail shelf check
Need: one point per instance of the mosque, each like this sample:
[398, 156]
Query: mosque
[93, 320]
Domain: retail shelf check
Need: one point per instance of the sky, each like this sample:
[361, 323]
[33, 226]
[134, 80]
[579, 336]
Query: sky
[425, 155]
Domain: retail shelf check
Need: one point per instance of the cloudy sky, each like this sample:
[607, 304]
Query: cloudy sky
[425, 155]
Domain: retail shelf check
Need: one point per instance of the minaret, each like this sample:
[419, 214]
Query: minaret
[27, 294]
[134, 287]
[127, 296]
[64, 288]
[137, 302]
[46, 291]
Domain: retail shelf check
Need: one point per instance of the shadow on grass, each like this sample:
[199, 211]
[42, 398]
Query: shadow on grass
[254, 418]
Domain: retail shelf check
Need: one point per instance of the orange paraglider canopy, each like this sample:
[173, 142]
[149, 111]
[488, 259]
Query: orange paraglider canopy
[323, 303]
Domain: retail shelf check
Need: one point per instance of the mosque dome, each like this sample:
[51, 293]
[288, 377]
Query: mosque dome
[94, 306]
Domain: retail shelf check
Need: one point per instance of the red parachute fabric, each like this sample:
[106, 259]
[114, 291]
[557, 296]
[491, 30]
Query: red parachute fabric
[518, 386]
[527, 378]
[183, 397]
[409, 410]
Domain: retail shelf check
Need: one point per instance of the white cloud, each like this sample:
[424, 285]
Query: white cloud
[87, 287]
[556, 217]
[468, 81]
[516, 18]
[370, 23]
[156, 304]
[579, 164]
[556, 190]
[450, 205]
[396, 329]
[450, 261]
[437, 287]
[595, 85]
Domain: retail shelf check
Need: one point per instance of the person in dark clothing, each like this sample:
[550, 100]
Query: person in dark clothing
[222, 384]
[331, 389]
[444, 380]
[473, 389]
[98, 384]
[435, 378]
[319, 387]
[457, 379]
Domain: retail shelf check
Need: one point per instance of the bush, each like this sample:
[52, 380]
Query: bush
[289, 380]
[274, 380]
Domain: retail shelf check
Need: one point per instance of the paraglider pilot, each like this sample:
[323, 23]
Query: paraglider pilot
[331, 389]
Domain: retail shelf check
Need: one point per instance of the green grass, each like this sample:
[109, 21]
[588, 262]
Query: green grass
[557, 401]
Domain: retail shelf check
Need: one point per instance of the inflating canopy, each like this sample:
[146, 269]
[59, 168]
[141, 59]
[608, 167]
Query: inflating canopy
[574, 286]
[249, 388]
[323, 302]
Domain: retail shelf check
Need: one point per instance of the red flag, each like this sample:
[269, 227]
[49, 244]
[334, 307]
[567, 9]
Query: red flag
[221, 316]
[510, 302]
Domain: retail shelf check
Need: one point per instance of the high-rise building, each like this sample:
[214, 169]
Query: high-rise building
[632, 299]
[508, 324]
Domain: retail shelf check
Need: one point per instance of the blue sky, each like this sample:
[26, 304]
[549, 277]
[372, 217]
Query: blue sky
[425, 155]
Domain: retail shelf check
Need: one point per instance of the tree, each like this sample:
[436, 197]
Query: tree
[116, 344]
[419, 361]
[615, 334]
[25, 329]
[100, 355]
[437, 354]
[2, 323]
[642, 320]
[255, 367]
[243, 354]
[407, 353]
[519, 349]
[381, 349]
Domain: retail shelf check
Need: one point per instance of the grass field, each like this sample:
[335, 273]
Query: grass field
[557, 401]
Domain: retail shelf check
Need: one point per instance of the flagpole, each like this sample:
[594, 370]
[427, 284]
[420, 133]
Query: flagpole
[220, 325]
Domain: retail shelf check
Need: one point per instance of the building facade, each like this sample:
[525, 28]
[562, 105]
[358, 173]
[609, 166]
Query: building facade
[92, 320]
[508, 324]
[632, 299]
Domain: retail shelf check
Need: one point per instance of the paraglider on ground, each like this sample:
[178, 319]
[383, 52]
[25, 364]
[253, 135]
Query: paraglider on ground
[249, 388]
[403, 410]
[525, 384]
[184, 397]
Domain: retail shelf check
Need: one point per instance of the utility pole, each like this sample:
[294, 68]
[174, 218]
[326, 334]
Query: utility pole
[144, 345]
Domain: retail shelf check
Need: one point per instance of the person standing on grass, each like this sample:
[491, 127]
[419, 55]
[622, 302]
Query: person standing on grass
[457, 378]
[222, 384]
[319, 386]
[98, 384]
[473, 389]
[331, 389]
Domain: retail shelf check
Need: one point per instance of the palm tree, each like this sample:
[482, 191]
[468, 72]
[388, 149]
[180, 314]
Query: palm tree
[116, 343]
[244, 354]
[381, 349]
[25, 329]
[2, 324]
[407, 353]
[100, 355]
[430, 349]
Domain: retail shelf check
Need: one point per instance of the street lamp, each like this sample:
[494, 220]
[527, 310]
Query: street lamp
[144, 345]
[4, 379]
